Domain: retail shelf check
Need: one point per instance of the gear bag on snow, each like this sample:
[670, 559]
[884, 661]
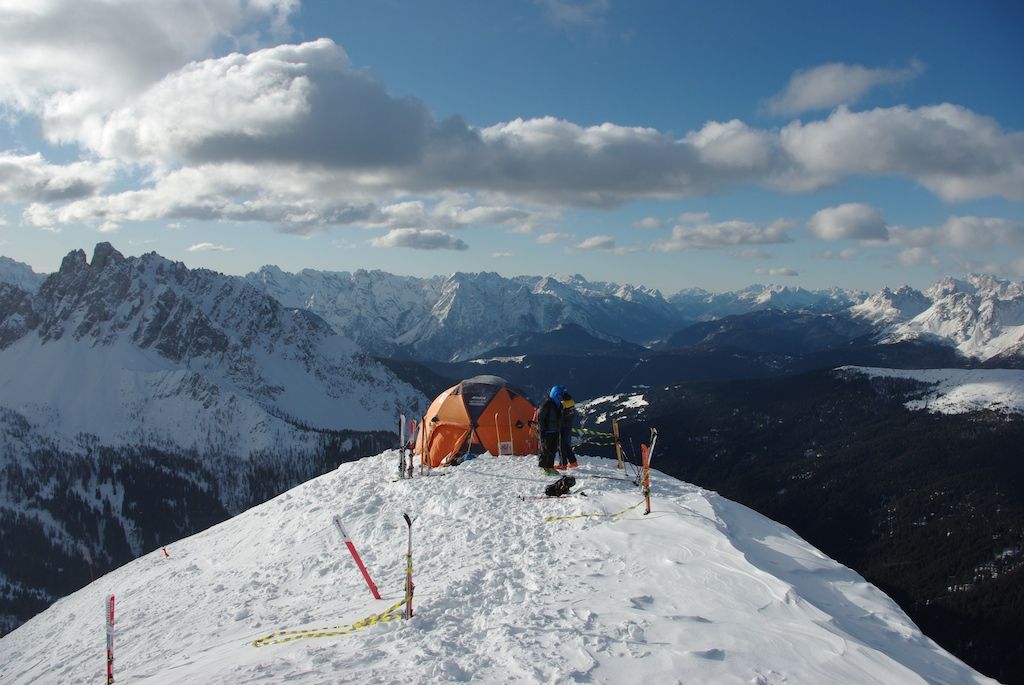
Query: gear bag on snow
[560, 487]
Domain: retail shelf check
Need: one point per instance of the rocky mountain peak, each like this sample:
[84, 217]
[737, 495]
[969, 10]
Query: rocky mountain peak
[104, 254]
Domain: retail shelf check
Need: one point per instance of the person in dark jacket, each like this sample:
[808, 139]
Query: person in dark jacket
[566, 458]
[548, 423]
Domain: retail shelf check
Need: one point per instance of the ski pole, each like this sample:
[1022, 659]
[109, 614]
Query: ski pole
[355, 555]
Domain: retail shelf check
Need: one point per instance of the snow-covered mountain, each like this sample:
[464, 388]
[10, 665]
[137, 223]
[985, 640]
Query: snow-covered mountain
[583, 589]
[465, 314]
[981, 316]
[144, 350]
[20, 275]
[700, 305]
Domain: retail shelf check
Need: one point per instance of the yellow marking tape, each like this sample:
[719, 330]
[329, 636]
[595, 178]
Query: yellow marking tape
[549, 519]
[281, 636]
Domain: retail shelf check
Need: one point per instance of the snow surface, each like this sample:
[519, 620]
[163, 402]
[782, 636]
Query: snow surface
[701, 591]
[958, 391]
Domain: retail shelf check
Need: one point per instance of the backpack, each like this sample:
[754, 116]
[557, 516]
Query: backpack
[560, 487]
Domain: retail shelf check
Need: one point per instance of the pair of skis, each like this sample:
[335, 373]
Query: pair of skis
[406, 449]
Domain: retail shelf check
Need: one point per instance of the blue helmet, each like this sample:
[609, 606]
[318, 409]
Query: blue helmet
[556, 392]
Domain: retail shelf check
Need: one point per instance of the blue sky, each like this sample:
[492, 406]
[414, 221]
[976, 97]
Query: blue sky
[667, 144]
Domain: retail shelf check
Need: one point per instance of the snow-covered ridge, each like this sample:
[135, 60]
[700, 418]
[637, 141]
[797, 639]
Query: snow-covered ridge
[957, 391]
[146, 351]
[702, 590]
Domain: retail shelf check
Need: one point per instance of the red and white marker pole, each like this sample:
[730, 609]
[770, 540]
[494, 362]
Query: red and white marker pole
[355, 555]
[108, 611]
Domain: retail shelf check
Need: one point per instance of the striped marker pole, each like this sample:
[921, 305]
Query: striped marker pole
[108, 619]
[355, 555]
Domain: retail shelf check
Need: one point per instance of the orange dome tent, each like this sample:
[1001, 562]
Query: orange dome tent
[480, 414]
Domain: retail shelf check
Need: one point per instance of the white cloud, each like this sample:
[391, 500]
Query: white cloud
[417, 239]
[597, 242]
[829, 85]
[296, 136]
[71, 61]
[30, 178]
[955, 153]
[208, 247]
[603, 243]
[778, 271]
[851, 221]
[502, 255]
[109, 227]
[963, 232]
[702, 234]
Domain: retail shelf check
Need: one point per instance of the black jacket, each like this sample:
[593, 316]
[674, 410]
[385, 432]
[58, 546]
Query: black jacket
[548, 416]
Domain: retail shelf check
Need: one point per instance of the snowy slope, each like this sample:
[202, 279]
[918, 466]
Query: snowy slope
[701, 591]
[957, 391]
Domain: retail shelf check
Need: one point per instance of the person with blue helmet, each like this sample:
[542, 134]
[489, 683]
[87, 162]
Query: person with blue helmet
[549, 417]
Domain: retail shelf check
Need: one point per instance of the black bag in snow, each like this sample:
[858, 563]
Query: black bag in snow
[560, 487]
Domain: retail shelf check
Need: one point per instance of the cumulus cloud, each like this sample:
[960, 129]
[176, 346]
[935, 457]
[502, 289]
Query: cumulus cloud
[30, 178]
[296, 136]
[950, 150]
[701, 234]
[778, 271]
[72, 61]
[851, 221]
[208, 247]
[109, 227]
[420, 239]
[829, 85]
[963, 232]
[501, 255]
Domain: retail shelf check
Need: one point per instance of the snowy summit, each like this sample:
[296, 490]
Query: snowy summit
[508, 589]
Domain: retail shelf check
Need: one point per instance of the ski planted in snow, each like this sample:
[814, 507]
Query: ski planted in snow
[645, 454]
[410, 447]
[408, 571]
[401, 445]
